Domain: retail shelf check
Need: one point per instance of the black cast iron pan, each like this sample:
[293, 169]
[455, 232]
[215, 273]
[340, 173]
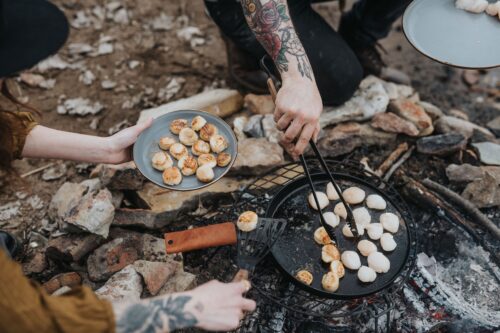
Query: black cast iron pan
[296, 248]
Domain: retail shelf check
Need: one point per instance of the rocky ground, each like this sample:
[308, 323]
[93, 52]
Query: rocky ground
[123, 57]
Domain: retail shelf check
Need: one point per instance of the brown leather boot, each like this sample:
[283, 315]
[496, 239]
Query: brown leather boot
[243, 70]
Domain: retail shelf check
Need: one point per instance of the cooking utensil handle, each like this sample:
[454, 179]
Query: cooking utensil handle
[201, 238]
[241, 275]
[272, 89]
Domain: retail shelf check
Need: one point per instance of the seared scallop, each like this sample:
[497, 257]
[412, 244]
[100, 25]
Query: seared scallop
[365, 247]
[331, 219]
[321, 236]
[330, 282]
[362, 216]
[354, 195]
[187, 136]
[374, 230]
[247, 221]
[205, 173]
[390, 222]
[166, 142]
[178, 150]
[366, 274]
[177, 125]
[161, 161]
[200, 147]
[351, 260]
[336, 267]
[378, 262]
[207, 159]
[218, 143]
[172, 176]
[223, 159]
[340, 210]
[329, 253]
[198, 122]
[188, 165]
[387, 242]
[375, 201]
[346, 231]
[207, 131]
[305, 277]
[331, 193]
[322, 200]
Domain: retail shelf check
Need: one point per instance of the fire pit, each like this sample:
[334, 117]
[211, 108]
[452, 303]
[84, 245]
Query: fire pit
[284, 307]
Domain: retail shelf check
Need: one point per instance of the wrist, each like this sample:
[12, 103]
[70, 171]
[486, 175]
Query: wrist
[107, 150]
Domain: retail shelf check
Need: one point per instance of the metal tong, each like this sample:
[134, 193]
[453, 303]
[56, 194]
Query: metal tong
[350, 217]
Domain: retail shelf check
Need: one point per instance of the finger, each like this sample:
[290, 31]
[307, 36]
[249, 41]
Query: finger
[305, 136]
[288, 146]
[316, 133]
[142, 126]
[293, 130]
[248, 305]
[284, 121]
[239, 287]
[277, 114]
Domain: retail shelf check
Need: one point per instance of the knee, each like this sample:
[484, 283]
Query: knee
[338, 82]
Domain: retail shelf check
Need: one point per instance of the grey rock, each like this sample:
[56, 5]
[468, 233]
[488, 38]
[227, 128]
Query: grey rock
[126, 285]
[94, 213]
[269, 127]
[466, 173]
[447, 124]
[65, 199]
[239, 126]
[494, 126]
[256, 156]
[395, 75]
[484, 192]
[414, 113]
[168, 206]
[156, 274]
[344, 138]
[433, 111]
[111, 258]
[441, 145]
[489, 152]
[458, 114]
[54, 172]
[370, 98]
[124, 176]
[79, 106]
[390, 122]
[179, 282]
[253, 127]
[72, 247]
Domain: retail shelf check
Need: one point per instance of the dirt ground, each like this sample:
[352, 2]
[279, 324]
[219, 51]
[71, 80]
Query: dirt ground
[163, 56]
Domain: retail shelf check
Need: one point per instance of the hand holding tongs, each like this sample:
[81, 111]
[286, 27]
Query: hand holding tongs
[350, 217]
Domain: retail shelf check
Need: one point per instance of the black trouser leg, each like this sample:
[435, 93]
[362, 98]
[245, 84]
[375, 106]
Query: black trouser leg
[335, 66]
[8, 243]
[371, 20]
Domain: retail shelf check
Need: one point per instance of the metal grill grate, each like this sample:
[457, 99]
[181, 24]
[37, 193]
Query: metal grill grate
[283, 307]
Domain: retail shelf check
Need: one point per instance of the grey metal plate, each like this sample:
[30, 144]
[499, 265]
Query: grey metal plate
[147, 145]
[453, 36]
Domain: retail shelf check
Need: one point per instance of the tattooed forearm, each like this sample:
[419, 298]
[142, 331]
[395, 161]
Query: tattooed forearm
[271, 23]
[155, 315]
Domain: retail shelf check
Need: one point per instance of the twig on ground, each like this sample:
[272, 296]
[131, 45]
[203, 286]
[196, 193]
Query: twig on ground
[396, 165]
[465, 204]
[37, 170]
[420, 195]
[382, 169]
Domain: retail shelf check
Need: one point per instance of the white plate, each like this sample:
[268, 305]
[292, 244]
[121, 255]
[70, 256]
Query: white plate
[453, 36]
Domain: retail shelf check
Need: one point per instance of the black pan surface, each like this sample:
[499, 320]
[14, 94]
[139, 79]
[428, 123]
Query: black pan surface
[296, 248]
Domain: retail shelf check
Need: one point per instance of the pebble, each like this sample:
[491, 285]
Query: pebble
[441, 145]
[489, 152]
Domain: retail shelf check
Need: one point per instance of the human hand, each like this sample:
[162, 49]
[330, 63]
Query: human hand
[120, 143]
[298, 108]
[220, 306]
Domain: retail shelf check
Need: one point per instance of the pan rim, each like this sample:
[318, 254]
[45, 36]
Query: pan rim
[284, 193]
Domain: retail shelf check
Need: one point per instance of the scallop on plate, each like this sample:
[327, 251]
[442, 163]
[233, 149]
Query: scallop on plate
[147, 145]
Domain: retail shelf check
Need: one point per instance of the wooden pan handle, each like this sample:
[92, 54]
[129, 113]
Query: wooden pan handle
[201, 238]
[272, 88]
[241, 275]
